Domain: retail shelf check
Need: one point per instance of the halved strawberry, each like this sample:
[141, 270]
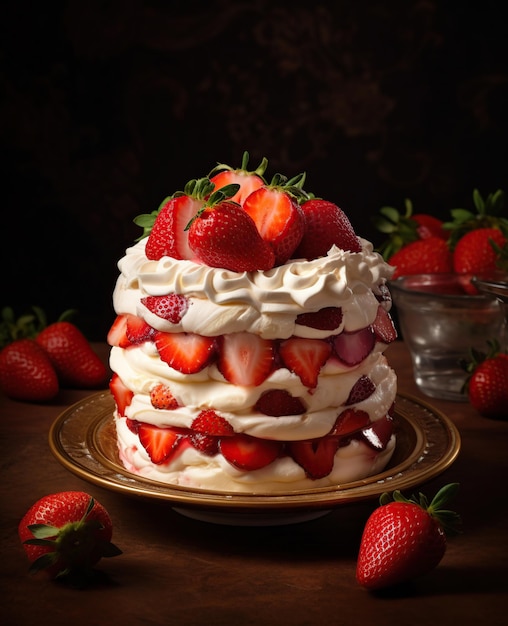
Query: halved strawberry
[361, 390]
[328, 318]
[277, 402]
[378, 433]
[186, 352]
[117, 334]
[245, 358]
[209, 422]
[162, 398]
[122, 395]
[248, 181]
[249, 453]
[278, 218]
[383, 326]
[171, 307]
[353, 347]
[349, 421]
[168, 235]
[132, 425]
[161, 444]
[137, 330]
[305, 357]
[326, 224]
[315, 456]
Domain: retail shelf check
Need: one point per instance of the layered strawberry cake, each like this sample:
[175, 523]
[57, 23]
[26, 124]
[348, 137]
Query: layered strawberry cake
[247, 351]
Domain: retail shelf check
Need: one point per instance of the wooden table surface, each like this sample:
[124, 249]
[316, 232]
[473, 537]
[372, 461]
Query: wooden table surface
[176, 570]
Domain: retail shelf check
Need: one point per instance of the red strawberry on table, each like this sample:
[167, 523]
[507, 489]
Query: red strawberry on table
[424, 256]
[69, 351]
[222, 234]
[26, 372]
[326, 224]
[248, 181]
[487, 384]
[404, 538]
[476, 253]
[278, 216]
[66, 534]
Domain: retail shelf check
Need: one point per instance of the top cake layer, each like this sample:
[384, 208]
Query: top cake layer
[264, 303]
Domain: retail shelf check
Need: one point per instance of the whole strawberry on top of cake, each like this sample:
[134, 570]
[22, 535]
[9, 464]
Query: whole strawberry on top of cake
[247, 352]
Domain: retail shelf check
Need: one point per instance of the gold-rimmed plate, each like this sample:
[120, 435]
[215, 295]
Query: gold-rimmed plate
[83, 439]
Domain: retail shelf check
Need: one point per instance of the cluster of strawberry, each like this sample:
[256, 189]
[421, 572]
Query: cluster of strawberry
[472, 243]
[36, 360]
[237, 220]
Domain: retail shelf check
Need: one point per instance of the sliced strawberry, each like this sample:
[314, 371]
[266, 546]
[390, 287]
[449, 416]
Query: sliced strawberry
[353, 347]
[161, 444]
[209, 423]
[349, 421]
[137, 330]
[305, 357]
[248, 181]
[328, 318]
[278, 218]
[224, 235]
[316, 456]
[171, 307]
[249, 453]
[122, 395]
[378, 433]
[245, 358]
[325, 225]
[186, 352]
[162, 398]
[168, 236]
[361, 390]
[383, 326]
[277, 402]
[207, 444]
[117, 334]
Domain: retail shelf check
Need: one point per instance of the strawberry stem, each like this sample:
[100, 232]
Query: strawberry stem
[449, 520]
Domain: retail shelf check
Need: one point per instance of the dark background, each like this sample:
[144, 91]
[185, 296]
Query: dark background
[108, 107]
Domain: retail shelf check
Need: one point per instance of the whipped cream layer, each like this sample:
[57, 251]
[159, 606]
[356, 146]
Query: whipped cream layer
[195, 470]
[264, 303]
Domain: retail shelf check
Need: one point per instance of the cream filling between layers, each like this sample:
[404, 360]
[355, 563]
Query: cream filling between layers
[140, 368]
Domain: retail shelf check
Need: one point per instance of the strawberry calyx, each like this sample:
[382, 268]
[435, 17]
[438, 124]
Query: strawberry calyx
[401, 228]
[74, 545]
[27, 326]
[196, 188]
[216, 197]
[488, 213]
[447, 519]
[477, 357]
[292, 186]
[259, 171]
